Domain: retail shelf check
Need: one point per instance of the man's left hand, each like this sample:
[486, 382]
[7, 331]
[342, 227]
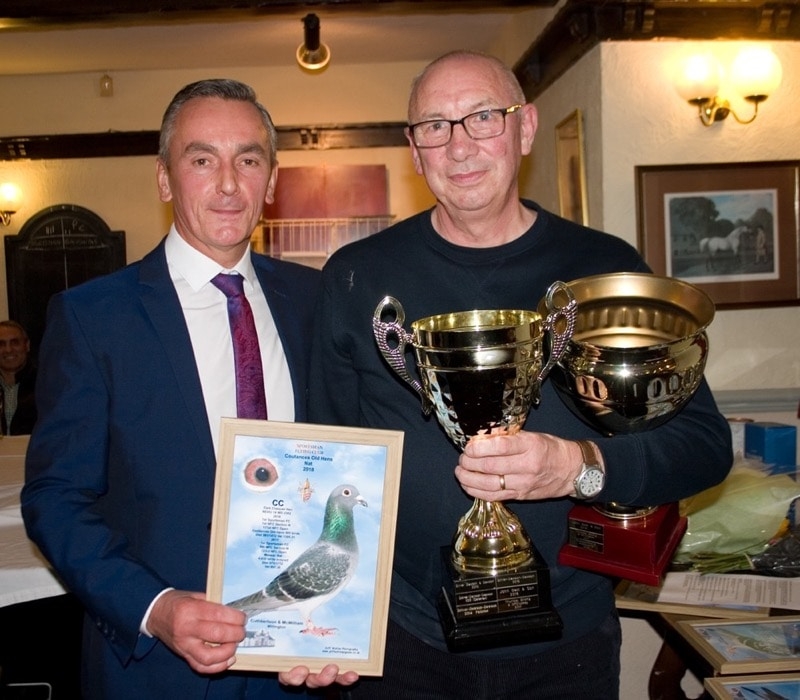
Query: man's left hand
[300, 675]
[523, 466]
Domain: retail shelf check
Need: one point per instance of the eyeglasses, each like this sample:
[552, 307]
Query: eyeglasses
[485, 124]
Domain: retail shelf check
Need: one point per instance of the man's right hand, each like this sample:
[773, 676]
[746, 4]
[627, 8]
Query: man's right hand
[206, 634]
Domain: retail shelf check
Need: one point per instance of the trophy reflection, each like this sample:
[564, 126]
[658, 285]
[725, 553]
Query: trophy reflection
[481, 373]
[635, 359]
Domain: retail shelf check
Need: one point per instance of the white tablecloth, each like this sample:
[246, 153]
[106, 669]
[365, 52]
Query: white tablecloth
[24, 573]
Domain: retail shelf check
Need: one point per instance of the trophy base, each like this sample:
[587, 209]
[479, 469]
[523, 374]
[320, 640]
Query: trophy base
[638, 549]
[478, 611]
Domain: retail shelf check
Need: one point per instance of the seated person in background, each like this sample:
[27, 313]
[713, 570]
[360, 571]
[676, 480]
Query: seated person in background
[17, 380]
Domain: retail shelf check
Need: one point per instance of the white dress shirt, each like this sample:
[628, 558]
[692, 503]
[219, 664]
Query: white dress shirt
[205, 309]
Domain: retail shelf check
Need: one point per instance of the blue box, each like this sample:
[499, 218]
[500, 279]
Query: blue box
[774, 443]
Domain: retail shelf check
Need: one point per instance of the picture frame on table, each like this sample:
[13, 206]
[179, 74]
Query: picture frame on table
[746, 646]
[772, 686]
[289, 519]
[728, 228]
[571, 169]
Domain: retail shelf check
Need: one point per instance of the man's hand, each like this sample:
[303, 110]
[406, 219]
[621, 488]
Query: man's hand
[300, 675]
[533, 466]
[206, 634]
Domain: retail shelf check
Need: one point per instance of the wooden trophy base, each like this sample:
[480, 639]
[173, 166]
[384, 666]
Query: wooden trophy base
[638, 548]
[479, 611]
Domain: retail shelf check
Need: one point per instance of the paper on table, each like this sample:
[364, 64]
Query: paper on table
[692, 588]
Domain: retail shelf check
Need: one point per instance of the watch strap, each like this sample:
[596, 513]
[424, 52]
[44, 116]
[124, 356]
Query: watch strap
[589, 455]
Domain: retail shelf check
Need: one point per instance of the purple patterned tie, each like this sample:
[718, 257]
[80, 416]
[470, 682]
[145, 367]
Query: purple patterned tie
[250, 399]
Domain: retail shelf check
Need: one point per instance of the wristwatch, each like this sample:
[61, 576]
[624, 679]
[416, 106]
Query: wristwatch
[592, 478]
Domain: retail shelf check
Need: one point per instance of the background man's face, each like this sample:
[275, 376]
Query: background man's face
[14, 349]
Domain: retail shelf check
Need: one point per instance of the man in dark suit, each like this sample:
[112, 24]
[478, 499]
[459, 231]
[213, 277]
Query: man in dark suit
[136, 370]
[17, 380]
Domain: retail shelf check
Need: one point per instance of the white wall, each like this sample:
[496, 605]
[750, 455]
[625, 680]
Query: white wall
[122, 191]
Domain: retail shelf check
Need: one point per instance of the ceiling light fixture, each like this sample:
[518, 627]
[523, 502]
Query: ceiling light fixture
[755, 74]
[312, 54]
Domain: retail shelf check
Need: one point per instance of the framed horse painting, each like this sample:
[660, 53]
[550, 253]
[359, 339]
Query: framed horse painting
[729, 228]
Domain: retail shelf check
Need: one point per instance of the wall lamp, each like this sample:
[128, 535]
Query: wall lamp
[10, 198]
[312, 54]
[755, 74]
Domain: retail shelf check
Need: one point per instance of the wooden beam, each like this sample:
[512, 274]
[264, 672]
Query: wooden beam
[145, 143]
[581, 24]
[99, 11]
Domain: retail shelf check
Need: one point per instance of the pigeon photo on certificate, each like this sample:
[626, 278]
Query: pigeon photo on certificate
[302, 540]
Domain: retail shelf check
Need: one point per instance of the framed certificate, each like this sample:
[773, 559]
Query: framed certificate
[746, 646]
[772, 686]
[302, 540]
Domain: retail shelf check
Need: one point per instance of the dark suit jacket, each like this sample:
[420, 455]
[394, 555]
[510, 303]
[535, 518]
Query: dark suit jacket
[24, 417]
[120, 468]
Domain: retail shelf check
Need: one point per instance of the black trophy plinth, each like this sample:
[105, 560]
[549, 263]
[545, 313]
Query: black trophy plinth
[479, 611]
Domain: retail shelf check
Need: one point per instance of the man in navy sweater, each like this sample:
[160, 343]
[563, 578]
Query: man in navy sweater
[482, 247]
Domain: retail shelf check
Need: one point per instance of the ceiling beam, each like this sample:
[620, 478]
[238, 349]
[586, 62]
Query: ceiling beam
[106, 11]
[145, 143]
[582, 24]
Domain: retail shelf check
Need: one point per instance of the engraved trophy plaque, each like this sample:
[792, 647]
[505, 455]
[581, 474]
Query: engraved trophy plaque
[636, 357]
[481, 372]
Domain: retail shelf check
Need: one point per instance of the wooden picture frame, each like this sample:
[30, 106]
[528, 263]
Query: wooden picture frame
[729, 228]
[277, 487]
[571, 169]
[746, 646]
[759, 686]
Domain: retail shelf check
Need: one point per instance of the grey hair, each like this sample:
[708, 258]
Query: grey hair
[225, 89]
[14, 324]
[517, 93]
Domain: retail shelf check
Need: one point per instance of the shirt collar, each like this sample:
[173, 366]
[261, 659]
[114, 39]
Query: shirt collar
[198, 269]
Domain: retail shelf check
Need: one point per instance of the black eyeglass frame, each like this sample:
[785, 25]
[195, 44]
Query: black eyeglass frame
[503, 111]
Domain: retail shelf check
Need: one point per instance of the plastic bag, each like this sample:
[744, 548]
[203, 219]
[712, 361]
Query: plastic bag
[742, 514]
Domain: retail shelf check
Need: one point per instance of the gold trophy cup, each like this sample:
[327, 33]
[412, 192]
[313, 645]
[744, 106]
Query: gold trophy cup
[635, 359]
[480, 373]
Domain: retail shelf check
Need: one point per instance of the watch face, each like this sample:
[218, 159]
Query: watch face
[591, 482]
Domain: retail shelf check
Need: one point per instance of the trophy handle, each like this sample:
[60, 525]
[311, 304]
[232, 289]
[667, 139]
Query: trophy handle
[392, 340]
[562, 312]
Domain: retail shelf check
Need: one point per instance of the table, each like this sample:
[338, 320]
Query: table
[25, 574]
[676, 656]
[31, 598]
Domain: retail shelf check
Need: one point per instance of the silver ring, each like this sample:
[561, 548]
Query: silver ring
[502, 483]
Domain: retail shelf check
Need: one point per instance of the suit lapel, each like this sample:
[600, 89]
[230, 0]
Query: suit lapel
[161, 304]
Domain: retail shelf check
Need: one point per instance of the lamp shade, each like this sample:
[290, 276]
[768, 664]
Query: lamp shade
[756, 72]
[698, 76]
[312, 54]
[10, 197]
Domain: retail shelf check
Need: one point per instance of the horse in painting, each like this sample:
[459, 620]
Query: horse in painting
[715, 246]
